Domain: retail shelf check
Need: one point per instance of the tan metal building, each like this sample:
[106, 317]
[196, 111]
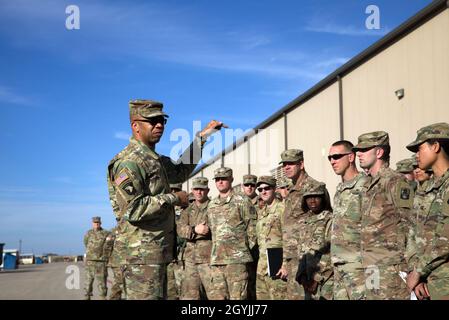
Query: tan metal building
[359, 97]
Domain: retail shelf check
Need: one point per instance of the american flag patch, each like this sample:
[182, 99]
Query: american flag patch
[121, 177]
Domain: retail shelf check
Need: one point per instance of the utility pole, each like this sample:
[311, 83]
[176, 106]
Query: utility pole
[20, 246]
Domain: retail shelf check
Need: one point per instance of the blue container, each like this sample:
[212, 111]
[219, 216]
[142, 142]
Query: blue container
[9, 261]
[38, 261]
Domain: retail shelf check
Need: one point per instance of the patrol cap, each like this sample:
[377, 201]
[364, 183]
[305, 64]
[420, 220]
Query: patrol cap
[405, 166]
[200, 183]
[433, 131]
[249, 179]
[223, 172]
[316, 190]
[267, 180]
[372, 139]
[96, 219]
[292, 155]
[176, 186]
[146, 108]
[284, 182]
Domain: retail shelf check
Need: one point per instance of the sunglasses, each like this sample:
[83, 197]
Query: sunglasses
[221, 179]
[337, 156]
[265, 188]
[154, 121]
[249, 185]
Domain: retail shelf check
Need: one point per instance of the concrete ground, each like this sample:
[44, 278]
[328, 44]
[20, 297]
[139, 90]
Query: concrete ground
[50, 281]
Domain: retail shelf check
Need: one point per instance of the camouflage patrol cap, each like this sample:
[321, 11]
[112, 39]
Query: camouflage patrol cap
[316, 190]
[434, 131]
[372, 139]
[284, 182]
[177, 186]
[292, 155]
[200, 183]
[223, 172]
[405, 166]
[249, 179]
[267, 180]
[96, 219]
[146, 108]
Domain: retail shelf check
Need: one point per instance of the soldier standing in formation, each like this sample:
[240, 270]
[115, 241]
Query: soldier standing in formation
[232, 221]
[349, 276]
[269, 235]
[113, 250]
[387, 201]
[138, 182]
[293, 166]
[193, 228]
[315, 272]
[96, 258]
[430, 269]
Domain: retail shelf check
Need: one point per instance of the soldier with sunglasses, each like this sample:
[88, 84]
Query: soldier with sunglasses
[349, 278]
[139, 190]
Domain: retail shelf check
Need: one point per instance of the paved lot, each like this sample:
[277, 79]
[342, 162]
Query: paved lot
[45, 281]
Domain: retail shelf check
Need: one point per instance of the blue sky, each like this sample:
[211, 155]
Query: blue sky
[64, 93]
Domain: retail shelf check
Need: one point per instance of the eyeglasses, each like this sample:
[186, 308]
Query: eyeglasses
[264, 189]
[221, 179]
[337, 156]
[155, 120]
[249, 185]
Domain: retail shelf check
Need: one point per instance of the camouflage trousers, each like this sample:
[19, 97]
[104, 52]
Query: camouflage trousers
[438, 287]
[325, 290]
[270, 289]
[349, 282]
[175, 275]
[252, 276]
[145, 282]
[295, 291]
[198, 278]
[117, 284]
[95, 270]
[229, 282]
[384, 283]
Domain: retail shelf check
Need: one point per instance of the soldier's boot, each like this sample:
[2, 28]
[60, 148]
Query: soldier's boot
[87, 297]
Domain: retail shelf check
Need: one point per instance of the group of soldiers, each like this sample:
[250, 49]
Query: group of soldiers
[386, 236]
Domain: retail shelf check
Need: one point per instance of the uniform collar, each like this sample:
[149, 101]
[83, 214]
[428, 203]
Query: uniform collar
[438, 182]
[300, 181]
[203, 205]
[219, 200]
[350, 183]
[143, 147]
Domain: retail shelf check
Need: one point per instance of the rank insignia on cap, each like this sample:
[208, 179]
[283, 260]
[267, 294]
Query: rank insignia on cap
[405, 194]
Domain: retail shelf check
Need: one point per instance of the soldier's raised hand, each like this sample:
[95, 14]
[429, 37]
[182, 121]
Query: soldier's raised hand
[211, 128]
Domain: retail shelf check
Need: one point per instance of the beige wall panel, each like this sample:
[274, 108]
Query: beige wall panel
[237, 160]
[313, 127]
[418, 63]
[266, 147]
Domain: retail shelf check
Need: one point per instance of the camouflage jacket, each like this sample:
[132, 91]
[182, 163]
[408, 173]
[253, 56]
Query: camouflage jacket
[387, 208]
[293, 215]
[232, 223]
[198, 247]
[314, 250]
[269, 232]
[94, 241]
[430, 243]
[138, 184]
[114, 249]
[346, 221]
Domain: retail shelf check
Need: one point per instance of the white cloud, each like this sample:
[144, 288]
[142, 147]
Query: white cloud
[122, 135]
[346, 30]
[9, 96]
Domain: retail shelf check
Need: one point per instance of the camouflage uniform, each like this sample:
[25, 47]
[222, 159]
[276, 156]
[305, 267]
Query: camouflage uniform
[269, 235]
[96, 257]
[386, 222]
[252, 266]
[429, 244]
[232, 222]
[406, 166]
[197, 249]
[314, 250]
[349, 277]
[138, 182]
[291, 220]
[114, 263]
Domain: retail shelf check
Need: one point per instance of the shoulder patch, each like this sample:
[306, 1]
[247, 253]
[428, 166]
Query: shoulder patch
[405, 193]
[123, 175]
